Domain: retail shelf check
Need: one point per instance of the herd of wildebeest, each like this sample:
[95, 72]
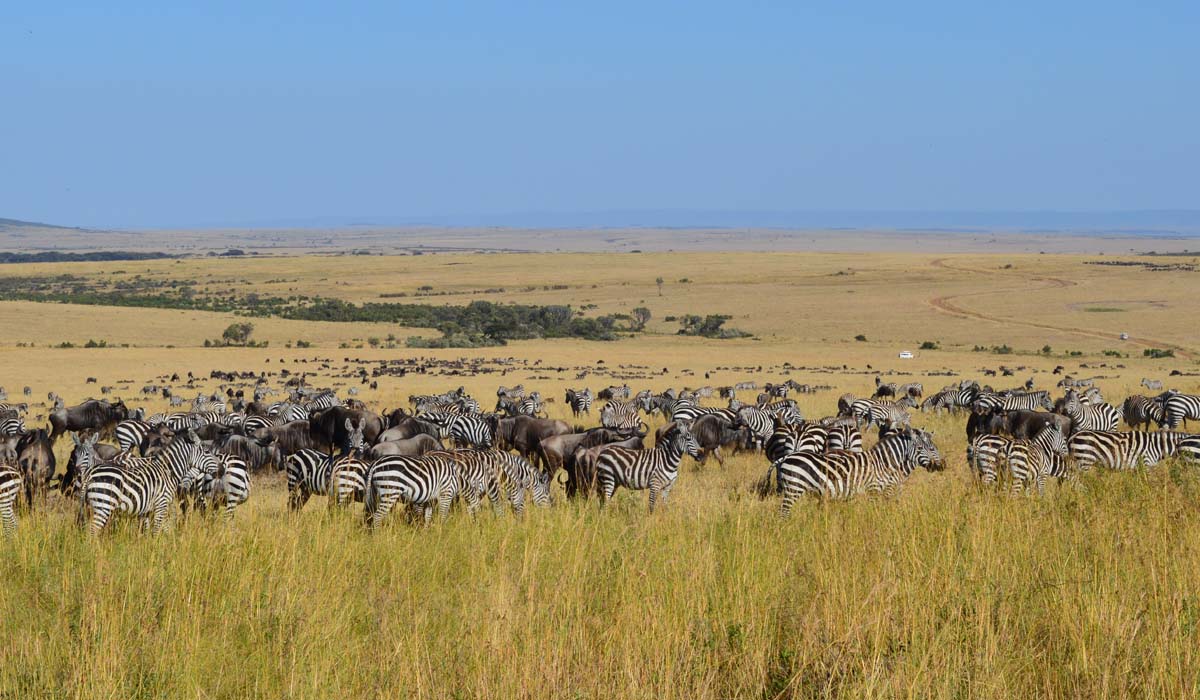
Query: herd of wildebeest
[443, 448]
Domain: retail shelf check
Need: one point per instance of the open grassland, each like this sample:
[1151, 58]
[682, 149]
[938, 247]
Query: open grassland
[942, 591]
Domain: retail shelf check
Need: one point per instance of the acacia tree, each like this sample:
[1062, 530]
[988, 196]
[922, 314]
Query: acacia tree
[238, 333]
[641, 316]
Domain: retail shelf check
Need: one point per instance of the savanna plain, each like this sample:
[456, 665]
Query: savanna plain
[945, 589]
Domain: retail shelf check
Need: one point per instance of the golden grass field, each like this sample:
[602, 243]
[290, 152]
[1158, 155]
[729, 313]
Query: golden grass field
[943, 591]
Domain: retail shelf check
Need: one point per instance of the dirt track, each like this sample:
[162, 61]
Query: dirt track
[947, 304]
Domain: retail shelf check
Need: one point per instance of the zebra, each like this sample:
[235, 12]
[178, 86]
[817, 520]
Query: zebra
[226, 484]
[486, 471]
[326, 399]
[1142, 411]
[252, 424]
[132, 434]
[687, 413]
[11, 427]
[1152, 384]
[285, 412]
[531, 405]
[466, 429]
[1101, 417]
[786, 409]
[516, 392]
[882, 413]
[417, 481]
[985, 453]
[1179, 408]
[144, 486]
[177, 422]
[913, 389]
[580, 401]
[621, 416]
[1125, 450]
[1035, 460]
[343, 479]
[1025, 401]
[844, 437]
[655, 469]
[760, 423]
[11, 486]
[846, 474]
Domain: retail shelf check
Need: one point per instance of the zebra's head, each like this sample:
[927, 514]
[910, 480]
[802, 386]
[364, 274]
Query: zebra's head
[924, 452]
[541, 487]
[685, 441]
[82, 459]
[1052, 440]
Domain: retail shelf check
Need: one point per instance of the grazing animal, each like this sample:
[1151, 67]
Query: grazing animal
[1102, 417]
[10, 489]
[35, 458]
[655, 469]
[1036, 460]
[144, 486]
[1141, 411]
[416, 481]
[311, 472]
[846, 474]
[225, 485]
[579, 401]
[1152, 384]
[487, 471]
[1179, 408]
[92, 415]
[1125, 450]
[414, 446]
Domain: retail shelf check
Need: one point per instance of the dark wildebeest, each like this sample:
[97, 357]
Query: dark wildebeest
[212, 432]
[525, 434]
[289, 438]
[92, 415]
[414, 446]
[712, 432]
[329, 427]
[558, 451]
[68, 482]
[35, 457]
[409, 428]
[1019, 425]
[258, 453]
[582, 479]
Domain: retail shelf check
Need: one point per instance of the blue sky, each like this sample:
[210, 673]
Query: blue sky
[139, 114]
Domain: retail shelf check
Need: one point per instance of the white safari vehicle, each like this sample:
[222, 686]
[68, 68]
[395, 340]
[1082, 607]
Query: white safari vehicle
[906, 355]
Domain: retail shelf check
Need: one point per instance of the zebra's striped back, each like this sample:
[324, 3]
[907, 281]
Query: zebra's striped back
[1097, 417]
[1180, 408]
[144, 486]
[416, 481]
[225, 485]
[986, 454]
[1126, 450]
[1034, 460]
[847, 474]
[620, 415]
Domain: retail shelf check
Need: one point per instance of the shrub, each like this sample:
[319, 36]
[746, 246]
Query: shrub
[861, 338]
[1158, 353]
[929, 345]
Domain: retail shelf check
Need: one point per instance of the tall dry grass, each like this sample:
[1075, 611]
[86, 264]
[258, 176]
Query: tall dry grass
[943, 591]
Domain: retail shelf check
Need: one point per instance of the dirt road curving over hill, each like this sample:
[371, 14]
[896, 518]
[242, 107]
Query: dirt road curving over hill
[951, 304]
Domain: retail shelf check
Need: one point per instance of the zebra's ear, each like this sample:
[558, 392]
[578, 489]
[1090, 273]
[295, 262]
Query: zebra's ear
[75, 438]
[349, 424]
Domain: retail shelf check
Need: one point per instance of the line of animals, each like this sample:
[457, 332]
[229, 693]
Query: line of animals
[444, 447]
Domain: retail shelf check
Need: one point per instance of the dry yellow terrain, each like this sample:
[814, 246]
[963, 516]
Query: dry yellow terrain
[942, 591]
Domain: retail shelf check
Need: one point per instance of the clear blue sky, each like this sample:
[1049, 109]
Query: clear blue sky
[139, 114]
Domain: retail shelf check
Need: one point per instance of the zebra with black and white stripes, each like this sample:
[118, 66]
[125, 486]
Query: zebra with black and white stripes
[132, 434]
[622, 416]
[466, 429]
[343, 478]
[882, 413]
[531, 405]
[1024, 401]
[637, 470]
[416, 481]
[842, 475]
[843, 437]
[986, 454]
[580, 401]
[1180, 408]
[1124, 450]
[485, 472]
[786, 410]
[144, 486]
[11, 427]
[225, 485]
[12, 485]
[1033, 461]
[760, 423]
[1102, 417]
[1140, 411]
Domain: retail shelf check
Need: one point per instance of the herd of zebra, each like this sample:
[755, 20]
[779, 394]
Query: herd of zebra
[444, 447]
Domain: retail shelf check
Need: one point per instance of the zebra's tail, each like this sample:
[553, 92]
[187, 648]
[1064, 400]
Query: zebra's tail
[762, 487]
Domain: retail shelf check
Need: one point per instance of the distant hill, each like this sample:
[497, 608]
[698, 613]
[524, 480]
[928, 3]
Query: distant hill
[7, 224]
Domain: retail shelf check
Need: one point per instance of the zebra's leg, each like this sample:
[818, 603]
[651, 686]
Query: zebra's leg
[9, 514]
[516, 497]
[608, 485]
[100, 515]
[298, 498]
[160, 515]
[789, 499]
[444, 502]
[493, 494]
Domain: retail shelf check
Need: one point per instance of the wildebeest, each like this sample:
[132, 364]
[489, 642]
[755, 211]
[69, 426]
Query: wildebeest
[409, 427]
[525, 434]
[582, 479]
[289, 437]
[712, 432]
[1020, 425]
[414, 446]
[92, 415]
[257, 453]
[35, 457]
[558, 451]
[329, 427]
